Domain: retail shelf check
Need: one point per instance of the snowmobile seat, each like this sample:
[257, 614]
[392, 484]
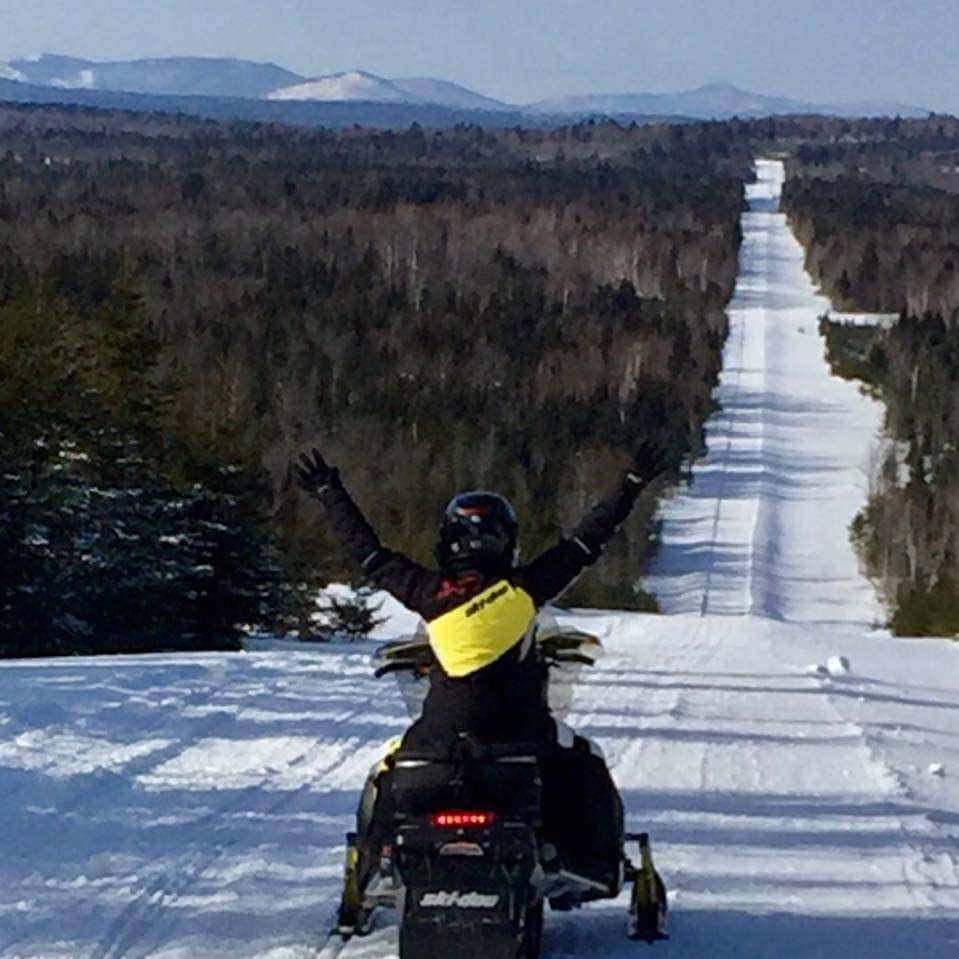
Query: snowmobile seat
[503, 778]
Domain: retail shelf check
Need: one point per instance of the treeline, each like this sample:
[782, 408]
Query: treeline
[879, 247]
[436, 310]
[909, 530]
[879, 217]
[115, 535]
[877, 210]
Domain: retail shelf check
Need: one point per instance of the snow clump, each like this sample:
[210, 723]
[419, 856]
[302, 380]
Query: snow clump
[838, 666]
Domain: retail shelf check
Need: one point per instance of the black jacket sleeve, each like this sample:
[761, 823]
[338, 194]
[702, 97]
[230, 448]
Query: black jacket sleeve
[551, 572]
[394, 572]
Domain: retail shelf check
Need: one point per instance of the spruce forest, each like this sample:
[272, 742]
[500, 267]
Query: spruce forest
[186, 304]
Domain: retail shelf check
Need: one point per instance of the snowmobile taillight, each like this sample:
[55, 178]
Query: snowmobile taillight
[462, 820]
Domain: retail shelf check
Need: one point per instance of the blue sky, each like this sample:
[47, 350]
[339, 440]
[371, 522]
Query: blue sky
[522, 50]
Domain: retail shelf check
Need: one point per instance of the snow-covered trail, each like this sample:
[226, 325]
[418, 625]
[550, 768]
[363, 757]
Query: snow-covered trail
[184, 803]
[177, 806]
[764, 527]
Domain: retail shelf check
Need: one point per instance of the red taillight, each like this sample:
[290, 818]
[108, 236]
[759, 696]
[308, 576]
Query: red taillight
[462, 820]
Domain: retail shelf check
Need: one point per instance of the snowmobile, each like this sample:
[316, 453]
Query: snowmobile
[468, 872]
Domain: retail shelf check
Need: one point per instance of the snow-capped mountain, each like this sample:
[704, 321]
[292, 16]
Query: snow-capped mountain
[711, 102]
[351, 85]
[205, 76]
[360, 85]
[199, 76]
[222, 77]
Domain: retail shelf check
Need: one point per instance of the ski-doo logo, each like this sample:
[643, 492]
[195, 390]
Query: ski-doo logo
[481, 604]
[458, 900]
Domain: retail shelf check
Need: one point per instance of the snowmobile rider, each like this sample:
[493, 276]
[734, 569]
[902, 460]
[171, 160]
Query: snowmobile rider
[479, 606]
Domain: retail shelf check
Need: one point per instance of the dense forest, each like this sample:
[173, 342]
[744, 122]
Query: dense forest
[909, 531]
[185, 304]
[878, 214]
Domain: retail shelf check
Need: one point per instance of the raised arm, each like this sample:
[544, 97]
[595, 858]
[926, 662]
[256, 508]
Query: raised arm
[383, 567]
[551, 572]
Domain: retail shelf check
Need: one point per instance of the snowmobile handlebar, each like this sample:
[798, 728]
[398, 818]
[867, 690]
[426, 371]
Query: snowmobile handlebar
[395, 667]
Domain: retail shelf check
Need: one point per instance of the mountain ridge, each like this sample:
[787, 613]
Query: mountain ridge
[236, 78]
[712, 101]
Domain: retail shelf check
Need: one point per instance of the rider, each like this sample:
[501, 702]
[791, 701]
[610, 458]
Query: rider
[479, 606]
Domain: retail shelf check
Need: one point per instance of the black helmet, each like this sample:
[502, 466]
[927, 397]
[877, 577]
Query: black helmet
[478, 525]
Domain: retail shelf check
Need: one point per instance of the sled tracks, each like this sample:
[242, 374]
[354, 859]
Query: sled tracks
[134, 933]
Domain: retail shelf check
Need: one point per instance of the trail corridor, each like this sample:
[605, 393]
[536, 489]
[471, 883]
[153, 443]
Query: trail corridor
[764, 528]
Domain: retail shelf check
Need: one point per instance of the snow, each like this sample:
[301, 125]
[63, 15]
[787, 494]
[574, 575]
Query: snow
[838, 666]
[764, 528]
[194, 806]
[84, 80]
[354, 85]
[178, 805]
[8, 73]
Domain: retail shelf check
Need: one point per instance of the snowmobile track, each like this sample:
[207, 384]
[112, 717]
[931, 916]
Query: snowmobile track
[134, 929]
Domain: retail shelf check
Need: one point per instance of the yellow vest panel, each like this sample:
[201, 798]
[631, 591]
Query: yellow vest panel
[480, 631]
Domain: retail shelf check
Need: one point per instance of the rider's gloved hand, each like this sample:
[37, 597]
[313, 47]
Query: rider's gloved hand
[652, 458]
[314, 475]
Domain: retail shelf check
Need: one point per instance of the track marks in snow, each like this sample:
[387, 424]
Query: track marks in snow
[763, 797]
[150, 915]
[786, 810]
[228, 836]
[763, 530]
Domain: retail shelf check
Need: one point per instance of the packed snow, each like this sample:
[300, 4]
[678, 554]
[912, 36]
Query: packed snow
[798, 778]
[194, 806]
[764, 527]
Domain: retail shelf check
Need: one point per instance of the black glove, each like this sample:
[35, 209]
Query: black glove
[651, 459]
[314, 475]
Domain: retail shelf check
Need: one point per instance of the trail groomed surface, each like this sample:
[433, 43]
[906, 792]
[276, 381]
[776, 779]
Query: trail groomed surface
[764, 529]
[194, 807]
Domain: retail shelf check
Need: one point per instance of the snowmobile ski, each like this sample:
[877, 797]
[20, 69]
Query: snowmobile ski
[647, 902]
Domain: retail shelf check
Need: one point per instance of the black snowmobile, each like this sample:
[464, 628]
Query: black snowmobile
[468, 870]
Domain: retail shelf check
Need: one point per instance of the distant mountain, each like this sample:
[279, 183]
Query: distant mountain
[353, 85]
[359, 85]
[425, 90]
[51, 69]
[196, 76]
[715, 101]
[307, 113]
[205, 76]
[878, 108]
[235, 79]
